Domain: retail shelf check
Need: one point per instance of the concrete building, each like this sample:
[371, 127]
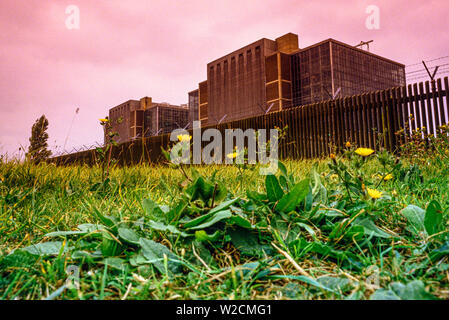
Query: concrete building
[270, 75]
[193, 104]
[264, 76]
[241, 83]
[136, 118]
[163, 118]
[120, 120]
[333, 68]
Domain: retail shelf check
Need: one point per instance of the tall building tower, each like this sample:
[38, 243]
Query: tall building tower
[193, 104]
[248, 81]
[271, 75]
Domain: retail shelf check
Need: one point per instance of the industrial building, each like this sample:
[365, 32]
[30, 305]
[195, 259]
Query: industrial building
[333, 68]
[193, 105]
[271, 75]
[136, 118]
[264, 76]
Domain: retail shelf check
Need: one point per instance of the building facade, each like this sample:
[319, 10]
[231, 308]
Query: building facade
[241, 83]
[270, 75]
[120, 120]
[332, 68]
[193, 104]
[264, 76]
[136, 118]
[163, 118]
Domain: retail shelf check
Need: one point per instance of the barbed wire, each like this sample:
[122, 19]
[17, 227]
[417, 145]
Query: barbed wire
[56, 152]
[420, 63]
[77, 149]
[442, 74]
[424, 70]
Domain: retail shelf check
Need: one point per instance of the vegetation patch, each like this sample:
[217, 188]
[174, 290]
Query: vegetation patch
[361, 225]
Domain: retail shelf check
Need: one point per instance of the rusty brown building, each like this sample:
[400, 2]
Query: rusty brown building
[136, 118]
[193, 104]
[270, 75]
[163, 118]
[332, 68]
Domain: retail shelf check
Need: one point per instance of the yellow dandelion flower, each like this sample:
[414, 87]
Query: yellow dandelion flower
[388, 177]
[184, 138]
[232, 155]
[332, 156]
[364, 152]
[348, 144]
[373, 193]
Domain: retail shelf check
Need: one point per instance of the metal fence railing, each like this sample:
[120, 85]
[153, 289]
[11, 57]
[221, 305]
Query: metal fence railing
[313, 130]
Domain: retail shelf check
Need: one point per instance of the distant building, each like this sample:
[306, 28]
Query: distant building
[163, 118]
[241, 83]
[332, 67]
[120, 119]
[193, 107]
[264, 76]
[270, 75]
[136, 118]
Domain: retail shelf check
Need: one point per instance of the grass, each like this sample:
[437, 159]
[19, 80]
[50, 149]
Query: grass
[325, 248]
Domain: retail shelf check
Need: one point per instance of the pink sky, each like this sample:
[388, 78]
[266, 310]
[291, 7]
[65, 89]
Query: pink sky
[130, 49]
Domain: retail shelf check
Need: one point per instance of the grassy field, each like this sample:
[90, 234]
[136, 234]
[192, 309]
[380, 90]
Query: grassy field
[316, 230]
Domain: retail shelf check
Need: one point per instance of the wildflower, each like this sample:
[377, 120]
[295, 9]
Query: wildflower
[373, 193]
[388, 177]
[364, 152]
[348, 144]
[184, 138]
[232, 155]
[333, 156]
[201, 235]
[104, 120]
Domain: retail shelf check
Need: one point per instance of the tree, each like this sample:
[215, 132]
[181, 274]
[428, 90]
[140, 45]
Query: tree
[37, 151]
